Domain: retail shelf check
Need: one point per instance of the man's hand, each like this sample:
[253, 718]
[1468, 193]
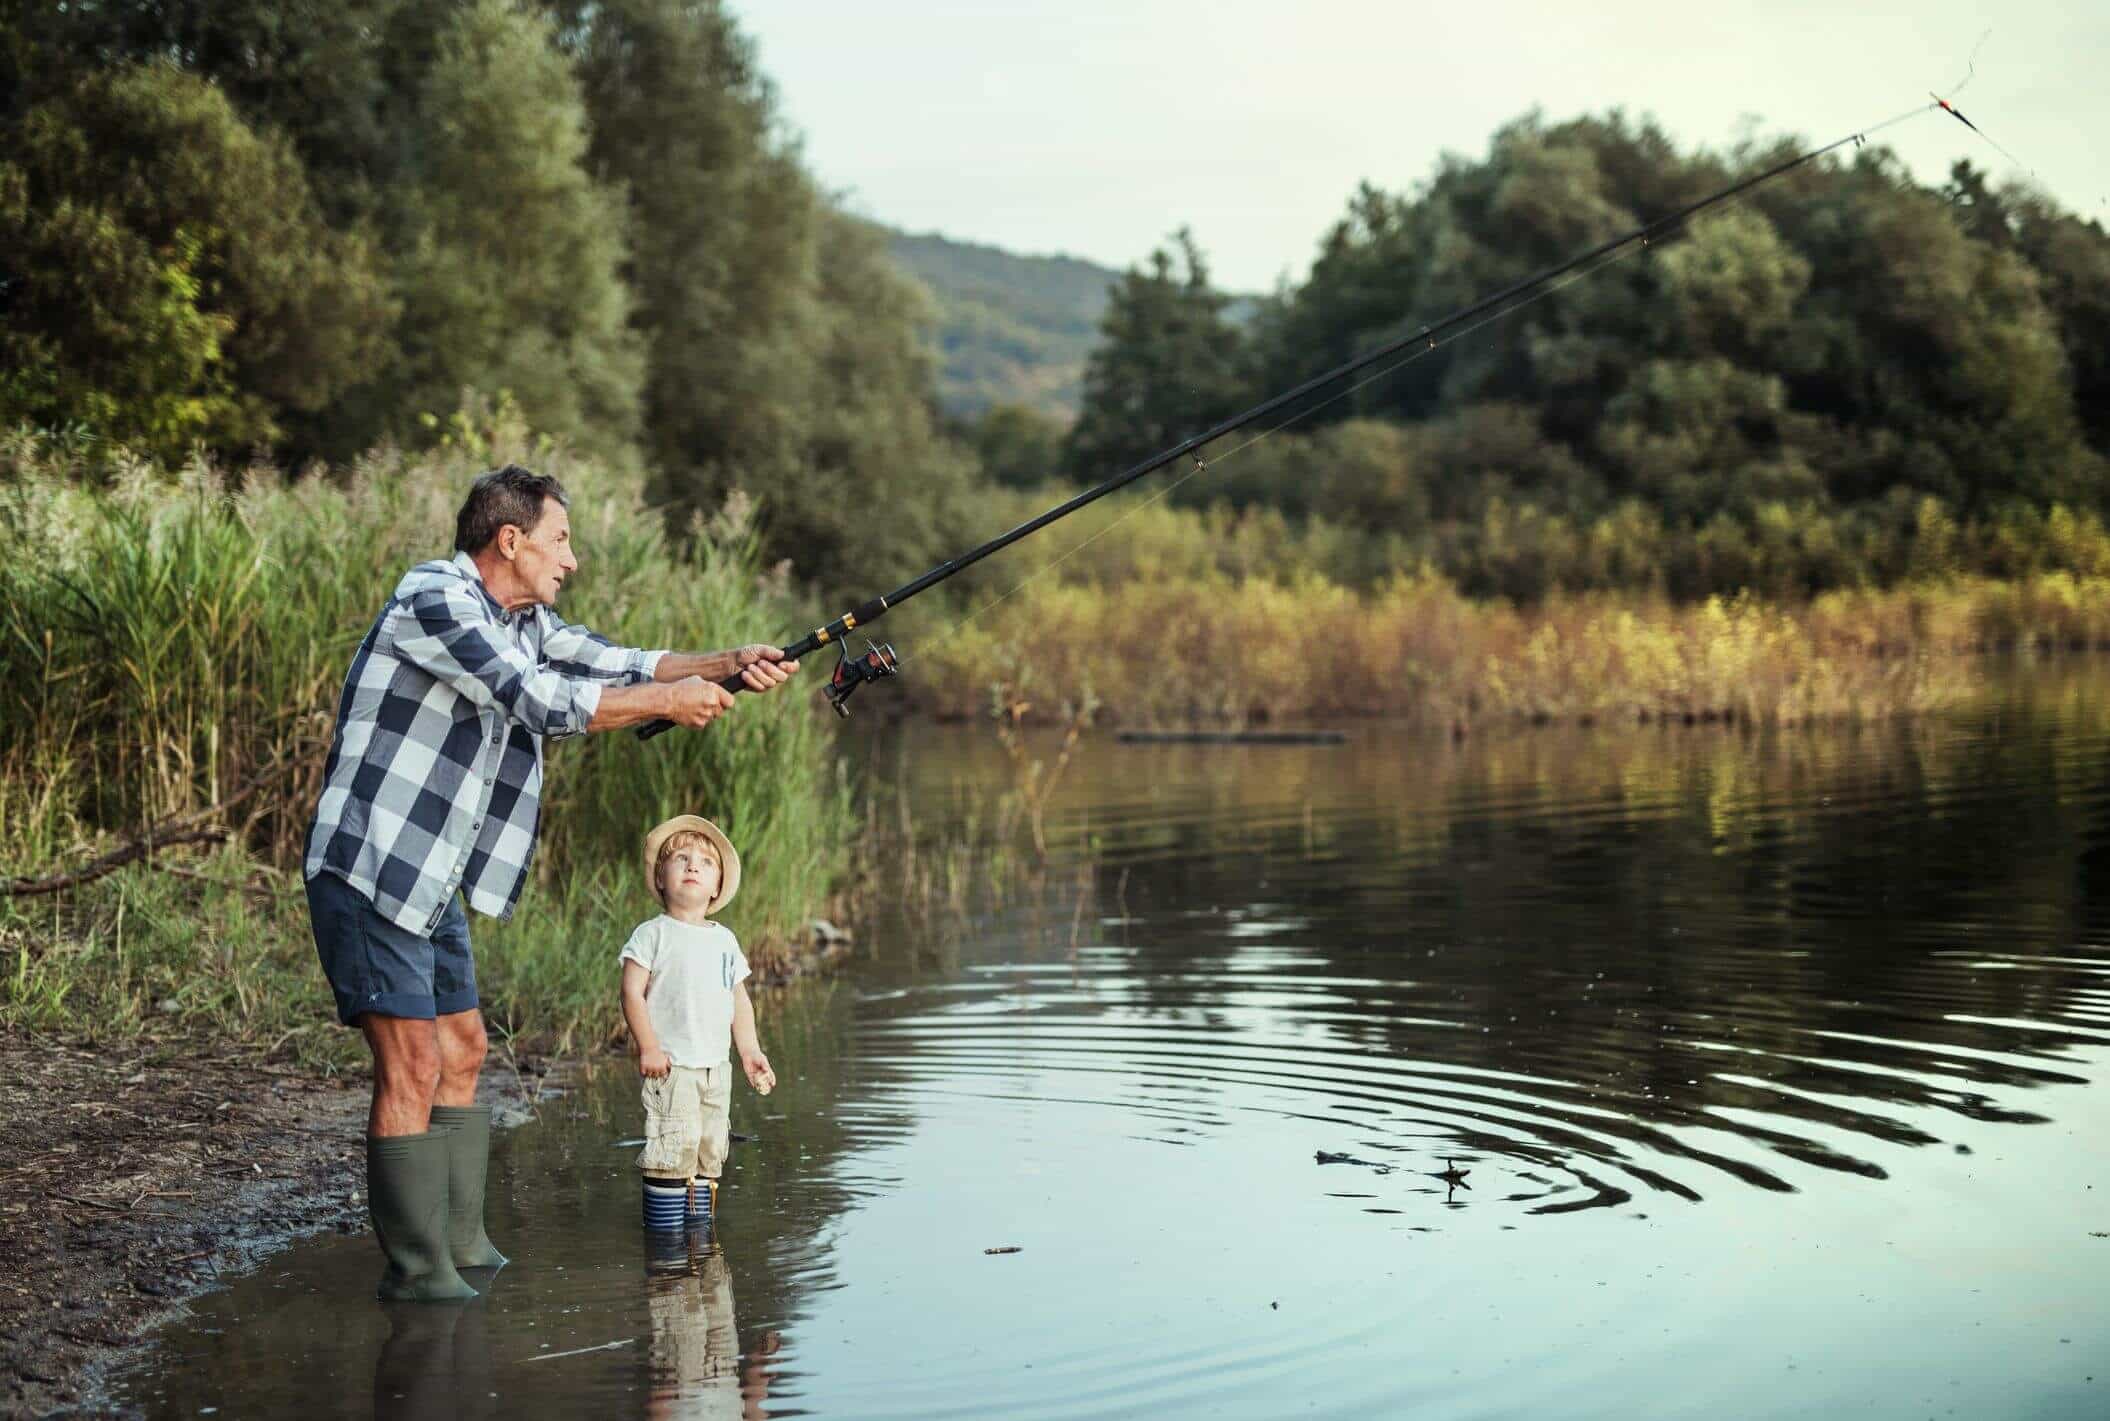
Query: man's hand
[763, 667]
[759, 1075]
[654, 1063]
[695, 702]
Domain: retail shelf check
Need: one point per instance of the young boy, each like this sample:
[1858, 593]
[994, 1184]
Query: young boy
[685, 998]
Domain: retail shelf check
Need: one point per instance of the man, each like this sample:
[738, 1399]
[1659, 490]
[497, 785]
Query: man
[432, 796]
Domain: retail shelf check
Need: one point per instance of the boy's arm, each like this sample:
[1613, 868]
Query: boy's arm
[651, 1061]
[759, 1075]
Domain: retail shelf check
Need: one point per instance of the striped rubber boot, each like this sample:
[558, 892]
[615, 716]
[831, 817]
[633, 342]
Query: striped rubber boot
[666, 1202]
[703, 1202]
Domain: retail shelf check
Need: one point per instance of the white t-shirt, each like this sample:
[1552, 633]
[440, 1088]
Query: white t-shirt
[689, 1000]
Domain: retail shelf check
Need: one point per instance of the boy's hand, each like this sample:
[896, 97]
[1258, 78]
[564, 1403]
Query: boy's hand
[654, 1063]
[759, 1075]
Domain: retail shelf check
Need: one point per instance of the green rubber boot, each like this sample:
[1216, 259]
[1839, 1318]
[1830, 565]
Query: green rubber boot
[468, 1157]
[406, 1196]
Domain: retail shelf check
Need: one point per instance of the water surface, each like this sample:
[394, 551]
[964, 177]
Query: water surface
[1777, 1069]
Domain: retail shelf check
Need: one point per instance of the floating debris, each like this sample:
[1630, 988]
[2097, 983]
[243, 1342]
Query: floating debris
[1232, 737]
[1329, 1157]
[581, 1351]
[1007, 1248]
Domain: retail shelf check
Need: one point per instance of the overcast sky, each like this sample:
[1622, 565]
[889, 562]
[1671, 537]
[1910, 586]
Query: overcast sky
[1096, 127]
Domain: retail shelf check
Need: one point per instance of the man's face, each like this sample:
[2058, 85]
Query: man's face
[689, 877]
[543, 558]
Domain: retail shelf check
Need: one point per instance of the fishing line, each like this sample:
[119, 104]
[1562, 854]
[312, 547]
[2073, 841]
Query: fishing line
[1970, 73]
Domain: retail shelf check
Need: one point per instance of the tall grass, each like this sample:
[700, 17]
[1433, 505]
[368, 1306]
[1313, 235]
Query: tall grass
[1212, 646]
[162, 647]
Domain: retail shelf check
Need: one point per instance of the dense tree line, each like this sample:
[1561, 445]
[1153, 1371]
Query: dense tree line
[305, 227]
[1785, 395]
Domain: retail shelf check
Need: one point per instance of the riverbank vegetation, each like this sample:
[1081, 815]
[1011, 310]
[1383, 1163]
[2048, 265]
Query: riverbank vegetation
[277, 280]
[170, 660]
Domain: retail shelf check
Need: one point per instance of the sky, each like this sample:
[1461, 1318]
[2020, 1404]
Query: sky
[1098, 127]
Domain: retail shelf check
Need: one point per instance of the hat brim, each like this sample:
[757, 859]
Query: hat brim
[728, 857]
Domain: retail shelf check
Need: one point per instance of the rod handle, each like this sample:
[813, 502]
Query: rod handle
[804, 646]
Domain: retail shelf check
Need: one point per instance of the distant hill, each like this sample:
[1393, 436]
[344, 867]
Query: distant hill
[1011, 329]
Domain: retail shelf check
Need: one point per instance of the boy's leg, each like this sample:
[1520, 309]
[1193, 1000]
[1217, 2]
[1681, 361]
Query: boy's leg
[668, 1158]
[714, 1100]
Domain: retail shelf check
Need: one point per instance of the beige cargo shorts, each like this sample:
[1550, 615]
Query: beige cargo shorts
[687, 1125]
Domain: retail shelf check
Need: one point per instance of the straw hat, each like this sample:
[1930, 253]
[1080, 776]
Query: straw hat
[728, 857]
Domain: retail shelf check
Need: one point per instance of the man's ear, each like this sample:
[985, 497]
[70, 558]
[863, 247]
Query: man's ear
[508, 541]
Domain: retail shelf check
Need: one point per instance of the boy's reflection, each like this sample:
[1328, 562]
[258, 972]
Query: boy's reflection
[694, 1361]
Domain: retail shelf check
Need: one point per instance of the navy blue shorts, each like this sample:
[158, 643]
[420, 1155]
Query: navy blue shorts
[373, 965]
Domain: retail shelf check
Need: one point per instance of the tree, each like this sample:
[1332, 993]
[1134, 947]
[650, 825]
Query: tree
[1168, 364]
[169, 277]
[511, 273]
[1018, 446]
[785, 351]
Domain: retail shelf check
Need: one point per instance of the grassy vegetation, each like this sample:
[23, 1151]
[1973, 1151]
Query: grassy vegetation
[1171, 614]
[162, 649]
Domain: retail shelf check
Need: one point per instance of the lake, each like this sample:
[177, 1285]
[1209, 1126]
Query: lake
[1770, 1073]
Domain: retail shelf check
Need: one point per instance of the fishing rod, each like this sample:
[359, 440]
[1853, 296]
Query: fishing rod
[878, 662]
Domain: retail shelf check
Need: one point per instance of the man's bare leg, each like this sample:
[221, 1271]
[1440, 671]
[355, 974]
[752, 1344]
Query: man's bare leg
[407, 1164]
[462, 1045]
[407, 1062]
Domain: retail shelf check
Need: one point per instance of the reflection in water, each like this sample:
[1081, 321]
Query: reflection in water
[1618, 963]
[696, 1366]
[435, 1363]
[1603, 1073]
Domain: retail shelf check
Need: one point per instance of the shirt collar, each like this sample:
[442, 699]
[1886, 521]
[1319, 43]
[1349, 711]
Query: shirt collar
[475, 575]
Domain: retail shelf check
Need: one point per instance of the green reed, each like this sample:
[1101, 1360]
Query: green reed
[165, 646]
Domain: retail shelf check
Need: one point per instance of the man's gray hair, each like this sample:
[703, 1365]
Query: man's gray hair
[508, 495]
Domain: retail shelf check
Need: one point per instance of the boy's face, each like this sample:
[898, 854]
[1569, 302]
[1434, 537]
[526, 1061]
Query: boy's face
[688, 876]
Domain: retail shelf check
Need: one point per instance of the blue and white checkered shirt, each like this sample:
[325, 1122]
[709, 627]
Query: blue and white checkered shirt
[434, 782]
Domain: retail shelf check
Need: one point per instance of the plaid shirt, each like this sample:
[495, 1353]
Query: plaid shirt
[434, 782]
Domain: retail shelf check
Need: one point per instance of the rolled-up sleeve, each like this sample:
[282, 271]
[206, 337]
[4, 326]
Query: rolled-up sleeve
[444, 634]
[575, 651]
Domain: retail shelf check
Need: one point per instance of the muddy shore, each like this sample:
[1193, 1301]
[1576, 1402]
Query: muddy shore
[136, 1177]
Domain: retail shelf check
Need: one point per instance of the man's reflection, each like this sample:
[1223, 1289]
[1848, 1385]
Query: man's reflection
[435, 1364]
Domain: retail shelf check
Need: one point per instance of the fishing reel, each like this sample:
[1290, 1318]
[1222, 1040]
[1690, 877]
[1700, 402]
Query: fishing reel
[877, 663]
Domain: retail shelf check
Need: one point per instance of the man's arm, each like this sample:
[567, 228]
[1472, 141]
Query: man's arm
[443, 633]
[694, 702]
[685, 688]
[760, 666]
[578, 651]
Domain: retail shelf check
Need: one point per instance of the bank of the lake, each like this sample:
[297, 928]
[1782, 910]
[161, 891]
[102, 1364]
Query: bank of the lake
[139, 1173]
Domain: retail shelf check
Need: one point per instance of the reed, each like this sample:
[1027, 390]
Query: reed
[163, 646]
[1210, 646]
